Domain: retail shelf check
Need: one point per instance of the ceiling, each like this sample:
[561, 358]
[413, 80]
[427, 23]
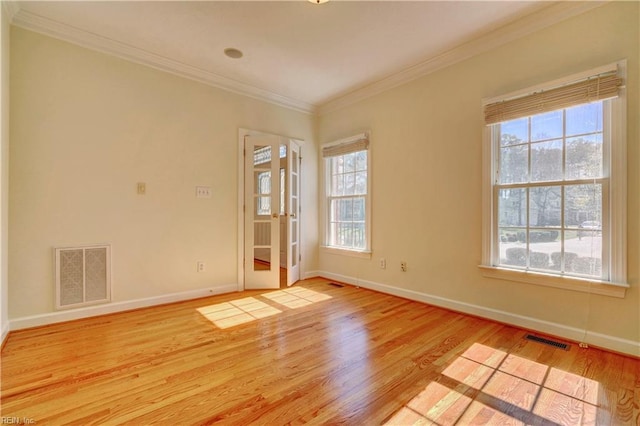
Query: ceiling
[302, 55]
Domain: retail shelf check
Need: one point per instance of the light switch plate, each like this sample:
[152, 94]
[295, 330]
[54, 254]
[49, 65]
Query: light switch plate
[203, 192]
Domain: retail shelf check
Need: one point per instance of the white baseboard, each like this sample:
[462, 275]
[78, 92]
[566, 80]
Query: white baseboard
[110, 308]
[596, 339]
[4, 332]
[310, 274]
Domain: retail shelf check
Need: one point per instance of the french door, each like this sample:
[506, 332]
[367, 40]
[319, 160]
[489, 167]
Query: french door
[271, 211]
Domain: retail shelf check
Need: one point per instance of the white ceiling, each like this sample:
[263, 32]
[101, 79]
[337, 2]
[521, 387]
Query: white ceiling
[296, 53]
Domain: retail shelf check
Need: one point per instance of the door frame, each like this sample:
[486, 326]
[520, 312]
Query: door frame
[242, 132]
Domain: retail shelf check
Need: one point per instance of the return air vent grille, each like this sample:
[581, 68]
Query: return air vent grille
[83, 276]
[549, 342]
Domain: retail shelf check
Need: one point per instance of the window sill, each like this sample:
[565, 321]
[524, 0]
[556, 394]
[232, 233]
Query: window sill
[605, 288]
[363, 254]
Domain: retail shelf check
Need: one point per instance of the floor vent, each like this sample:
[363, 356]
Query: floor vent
[83, 276]
[336, 285]
[549, 342]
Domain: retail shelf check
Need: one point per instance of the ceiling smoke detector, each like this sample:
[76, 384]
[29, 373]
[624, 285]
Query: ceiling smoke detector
[233, 53]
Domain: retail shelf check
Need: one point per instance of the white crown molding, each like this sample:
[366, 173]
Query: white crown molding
[526, 25]
[10, 8]
[106, 45]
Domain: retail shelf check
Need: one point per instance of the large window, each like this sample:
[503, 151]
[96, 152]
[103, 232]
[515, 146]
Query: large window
[555, 155]
[347, 194]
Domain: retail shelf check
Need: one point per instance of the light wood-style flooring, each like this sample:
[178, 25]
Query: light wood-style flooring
[312, 353]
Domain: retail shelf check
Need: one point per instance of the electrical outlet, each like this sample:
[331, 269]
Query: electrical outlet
[383, 263]
[200, 266]
[403, 266]
[203, 192]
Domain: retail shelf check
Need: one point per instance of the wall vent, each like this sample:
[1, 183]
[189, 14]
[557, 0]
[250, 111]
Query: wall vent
[83, 276]
[549, 342]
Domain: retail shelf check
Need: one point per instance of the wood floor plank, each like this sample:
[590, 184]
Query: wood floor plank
[313, 353]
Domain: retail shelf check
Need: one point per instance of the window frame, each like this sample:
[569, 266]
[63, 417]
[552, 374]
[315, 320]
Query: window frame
[614, 208]
[327, 197]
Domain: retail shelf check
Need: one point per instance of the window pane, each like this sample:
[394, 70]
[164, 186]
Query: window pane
[513, 249]
[583, 254]
[349, 184]
[546, 126]
[337, 185]
[545, 206]
[359, 240]
[337, 164]
[583, 206]
[350, 162]
[514, 132]
[359, 209]
[512, 207]
[584, 157]
[584, 119]
[542, 243]
[361, 160]
[361, 182]
[514, 164]
[546, 161]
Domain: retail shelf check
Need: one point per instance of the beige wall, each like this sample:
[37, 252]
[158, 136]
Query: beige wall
[4, 173]
[426, 146]
[86, 127]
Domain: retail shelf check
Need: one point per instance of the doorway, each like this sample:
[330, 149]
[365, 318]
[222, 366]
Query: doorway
[271, 212]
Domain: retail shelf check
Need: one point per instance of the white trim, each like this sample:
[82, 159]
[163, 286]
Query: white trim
[92, 311]
[242, 133]
[51, 28]
[615, 208]
[529, 24]
[363, 254]
[526, 25]
[604, 288]
[11, 8]
[549, 85]
[604, 341]
[4, 333]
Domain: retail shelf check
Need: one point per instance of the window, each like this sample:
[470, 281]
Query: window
[555, 159]
[347, 194]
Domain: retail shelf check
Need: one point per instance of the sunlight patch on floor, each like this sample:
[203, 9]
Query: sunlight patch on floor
[489, 386]
[241, 311]
[296, 297]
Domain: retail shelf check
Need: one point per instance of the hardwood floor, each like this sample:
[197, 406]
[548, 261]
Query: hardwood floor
[312, 353]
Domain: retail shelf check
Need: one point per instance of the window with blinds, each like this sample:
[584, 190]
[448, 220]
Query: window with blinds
[347, 194]
[555, 154]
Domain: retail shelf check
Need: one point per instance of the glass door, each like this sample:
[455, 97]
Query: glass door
[262, 212]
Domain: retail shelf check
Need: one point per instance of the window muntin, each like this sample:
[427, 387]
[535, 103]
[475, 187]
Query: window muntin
[550, 190]
[347, 181]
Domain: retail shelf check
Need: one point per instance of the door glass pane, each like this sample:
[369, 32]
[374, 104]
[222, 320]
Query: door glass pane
[294, 230]
[294, 254]
[261, 259]
[294, 185]
[294, 161]
[262, 156]
[282, 191]
[262, 233]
